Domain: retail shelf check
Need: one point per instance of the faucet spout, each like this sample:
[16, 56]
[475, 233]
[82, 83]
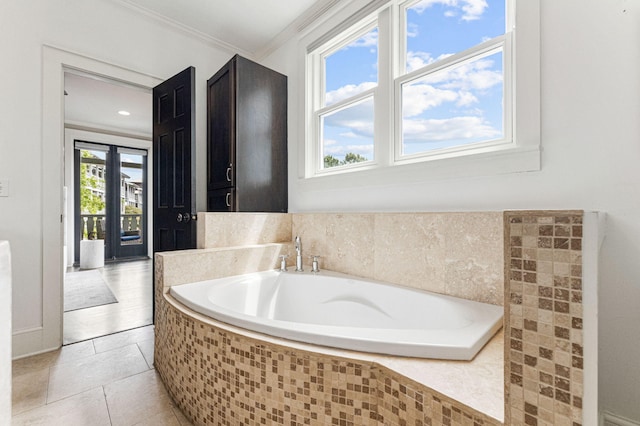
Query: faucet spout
[298, 246]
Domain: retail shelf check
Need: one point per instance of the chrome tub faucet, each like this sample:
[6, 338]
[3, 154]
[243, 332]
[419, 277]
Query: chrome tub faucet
[298, 246]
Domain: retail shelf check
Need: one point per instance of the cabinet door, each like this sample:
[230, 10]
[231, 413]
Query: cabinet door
[221, 200]
[221, 128]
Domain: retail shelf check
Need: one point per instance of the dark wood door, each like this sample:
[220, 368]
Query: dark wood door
[174, 163]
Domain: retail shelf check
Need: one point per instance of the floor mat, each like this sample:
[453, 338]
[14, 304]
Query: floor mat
[85, 289]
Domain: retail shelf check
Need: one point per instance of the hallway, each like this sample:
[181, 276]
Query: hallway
[131, 283]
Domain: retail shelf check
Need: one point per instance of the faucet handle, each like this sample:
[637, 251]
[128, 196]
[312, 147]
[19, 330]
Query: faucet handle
[283, 262]
[314, 263]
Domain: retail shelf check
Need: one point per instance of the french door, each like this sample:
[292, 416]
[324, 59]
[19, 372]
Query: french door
[111, 199]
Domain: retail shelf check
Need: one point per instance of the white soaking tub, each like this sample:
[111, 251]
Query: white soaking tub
[342, 311]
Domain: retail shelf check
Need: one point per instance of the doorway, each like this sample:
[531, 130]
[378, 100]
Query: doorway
[110, 193]
[55, 63]
[107, 162]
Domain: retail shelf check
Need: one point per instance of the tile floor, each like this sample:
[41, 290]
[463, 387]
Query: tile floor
[131, 283]
[109, 380]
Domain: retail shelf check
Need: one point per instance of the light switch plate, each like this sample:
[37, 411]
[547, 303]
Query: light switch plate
[4, 187]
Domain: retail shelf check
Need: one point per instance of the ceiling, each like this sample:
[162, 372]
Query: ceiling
[248, 27]
[93, 103]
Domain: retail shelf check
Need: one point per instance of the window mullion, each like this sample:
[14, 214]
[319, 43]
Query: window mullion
[344, 103]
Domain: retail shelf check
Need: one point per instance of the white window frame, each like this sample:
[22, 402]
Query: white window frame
[520, 154]
[316, 69]
[489, 47]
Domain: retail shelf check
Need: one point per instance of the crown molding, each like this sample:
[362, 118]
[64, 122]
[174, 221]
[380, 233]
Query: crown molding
[199, 35]
[300, 24]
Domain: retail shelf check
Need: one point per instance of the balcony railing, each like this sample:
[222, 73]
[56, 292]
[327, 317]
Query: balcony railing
[94, 226]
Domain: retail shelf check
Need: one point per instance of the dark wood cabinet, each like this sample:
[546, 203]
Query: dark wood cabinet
[246, 138]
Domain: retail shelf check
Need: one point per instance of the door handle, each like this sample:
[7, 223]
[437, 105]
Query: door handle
[179, 218]
[187, 217]
[227, 199]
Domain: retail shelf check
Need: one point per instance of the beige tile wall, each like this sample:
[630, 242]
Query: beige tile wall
[188, 266]
[241, 229]
[460, 254]
[543, 318]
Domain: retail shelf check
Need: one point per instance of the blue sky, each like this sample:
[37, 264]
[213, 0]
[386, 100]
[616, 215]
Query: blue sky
[450, 108]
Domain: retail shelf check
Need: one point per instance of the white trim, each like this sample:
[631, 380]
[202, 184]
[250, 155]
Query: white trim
[190, 31]
[610, 419]
[593, 232]
[54, 63]
[107, 130]
[313, 14]
[521, 144]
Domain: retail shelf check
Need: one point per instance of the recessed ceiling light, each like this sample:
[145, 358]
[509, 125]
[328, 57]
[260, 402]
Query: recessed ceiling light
[123, 112]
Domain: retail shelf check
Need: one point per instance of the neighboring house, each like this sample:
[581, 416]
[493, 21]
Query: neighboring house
[130, 192]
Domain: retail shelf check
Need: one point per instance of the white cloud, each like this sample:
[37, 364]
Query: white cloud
[367, 40]
[341, 150]
[462, 85]
[471, 9]
[435, 130]
[477, 75]
[413, 30]
[466, 99]
[416, 60]
[347, 91]
[417, 98]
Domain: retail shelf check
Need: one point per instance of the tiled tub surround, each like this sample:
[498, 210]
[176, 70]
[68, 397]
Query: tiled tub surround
[219, 374]
[187, 342]
[544, 351]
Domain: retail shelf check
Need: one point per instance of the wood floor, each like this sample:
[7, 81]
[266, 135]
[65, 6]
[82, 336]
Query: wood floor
[132, 284]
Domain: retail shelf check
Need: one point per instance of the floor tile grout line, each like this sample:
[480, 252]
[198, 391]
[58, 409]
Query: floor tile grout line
[46, 399]
[106, 403]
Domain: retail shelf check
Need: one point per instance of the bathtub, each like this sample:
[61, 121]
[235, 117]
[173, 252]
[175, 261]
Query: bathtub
[342, 311]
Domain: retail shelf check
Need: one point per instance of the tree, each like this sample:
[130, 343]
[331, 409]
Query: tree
[349, 158]
[89, 202]
[331, 161]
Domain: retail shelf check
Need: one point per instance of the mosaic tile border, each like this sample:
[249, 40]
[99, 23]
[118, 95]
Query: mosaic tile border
[543, 311]
[219, 377]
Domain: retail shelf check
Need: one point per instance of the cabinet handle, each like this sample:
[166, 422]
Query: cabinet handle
[227, 199]
[229, 173]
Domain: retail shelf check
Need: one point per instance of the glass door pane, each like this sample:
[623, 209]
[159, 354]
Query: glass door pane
[132, 205]
[92, 168]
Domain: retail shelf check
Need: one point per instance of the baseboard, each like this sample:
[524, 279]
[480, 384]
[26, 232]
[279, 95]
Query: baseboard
[29, 342]
[610, 419]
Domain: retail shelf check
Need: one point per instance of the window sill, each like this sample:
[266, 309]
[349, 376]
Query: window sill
[497, 162]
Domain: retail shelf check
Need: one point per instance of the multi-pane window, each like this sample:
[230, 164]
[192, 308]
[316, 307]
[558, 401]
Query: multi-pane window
[452, 90]
[345, 113]
[444, 69]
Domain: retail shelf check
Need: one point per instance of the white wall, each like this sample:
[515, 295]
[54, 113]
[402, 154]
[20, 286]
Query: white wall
[99, 29]
[590, 94]
[590, 137]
